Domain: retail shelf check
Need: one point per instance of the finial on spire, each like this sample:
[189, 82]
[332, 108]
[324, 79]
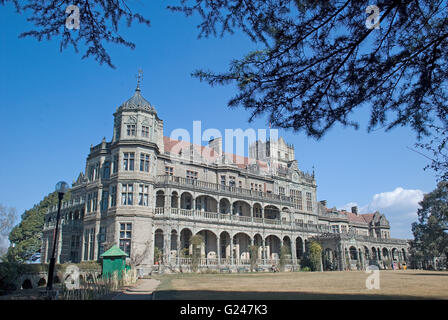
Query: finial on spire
[139, 77]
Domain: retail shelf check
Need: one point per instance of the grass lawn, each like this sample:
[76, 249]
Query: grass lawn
[398, 284]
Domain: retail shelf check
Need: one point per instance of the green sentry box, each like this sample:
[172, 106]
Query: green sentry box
[114, 259]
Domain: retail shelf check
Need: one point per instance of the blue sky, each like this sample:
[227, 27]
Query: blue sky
[55, 105]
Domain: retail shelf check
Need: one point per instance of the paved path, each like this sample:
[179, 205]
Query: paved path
[142, 291]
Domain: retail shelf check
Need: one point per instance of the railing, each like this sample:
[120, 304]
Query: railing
[349, 236]
[66, 204]
[227, 261]
[210, 186]
[230, 218]
[333, 216]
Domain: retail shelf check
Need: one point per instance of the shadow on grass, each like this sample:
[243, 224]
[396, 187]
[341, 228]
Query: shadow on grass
[249, 295]
[436, 273]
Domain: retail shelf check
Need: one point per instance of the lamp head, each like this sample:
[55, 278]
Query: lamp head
[61, 187]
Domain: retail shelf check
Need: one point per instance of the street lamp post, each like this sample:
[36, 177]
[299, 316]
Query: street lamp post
[61, 189]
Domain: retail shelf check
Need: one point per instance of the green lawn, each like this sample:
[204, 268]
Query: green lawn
[398, 284]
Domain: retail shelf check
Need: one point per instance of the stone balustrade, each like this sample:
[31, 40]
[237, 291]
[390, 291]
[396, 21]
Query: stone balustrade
[205, 216]
[193, 184]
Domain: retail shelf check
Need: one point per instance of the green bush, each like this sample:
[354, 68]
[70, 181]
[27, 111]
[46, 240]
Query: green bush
[196, 241]
[10, 272]
[305, 269]
[313, 256]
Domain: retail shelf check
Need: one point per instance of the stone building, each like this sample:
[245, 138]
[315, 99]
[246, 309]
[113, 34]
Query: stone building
[143, 190]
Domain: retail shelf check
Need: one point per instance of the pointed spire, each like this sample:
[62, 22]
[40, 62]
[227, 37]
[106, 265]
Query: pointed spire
[139, 77]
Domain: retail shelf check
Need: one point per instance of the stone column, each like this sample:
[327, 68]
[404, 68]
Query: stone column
[231, 249]
[167, 203]
[293, 252]
[178, 248]
[218, 249]
[168, 246]
[341, 255]
[263, 252]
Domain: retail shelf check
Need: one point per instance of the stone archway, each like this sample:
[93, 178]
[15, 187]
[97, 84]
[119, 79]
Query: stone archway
[241, 208]
[224, 206]
[174, 199]
[27, 284]
[209, 248]
[273, 244]
[329, 261]
[299, 248]
[271, 212]
[185, 245]
[158, 245]
[206, 203]
[224, 240]
[241, 248]
[186, 201]
[160, 199]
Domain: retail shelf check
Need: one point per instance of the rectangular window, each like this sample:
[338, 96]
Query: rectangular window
[223, 180]
[169, 171]
[281, 190]
[113, 196]
[92, 243]
[86, 244]
[143, 195]
[115, 164]
[106, 170]
[101, 241]
[90, 174]
[104, 201]
[144, 162]
[127, 194]
[309, 203]
[94, 201]
[97, 171]
[232, 182]
[89, 202]
[296, 196]
[192, 176]
[131, 129]
[128, 161]
[145, 131]
[125, 237]
[335, 229]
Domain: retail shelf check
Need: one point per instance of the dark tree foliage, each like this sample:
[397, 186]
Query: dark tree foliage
[26, 237]
[430, 232]
[99, 23]
[318, 62]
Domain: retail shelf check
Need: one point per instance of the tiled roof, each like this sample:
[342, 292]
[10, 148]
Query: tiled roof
[209, 154]
[364, 218]
[368, 217]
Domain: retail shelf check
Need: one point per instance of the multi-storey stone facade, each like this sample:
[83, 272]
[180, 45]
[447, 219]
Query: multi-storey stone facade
[143, 190]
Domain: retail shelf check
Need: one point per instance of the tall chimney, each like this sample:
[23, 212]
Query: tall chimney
[355, 210]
